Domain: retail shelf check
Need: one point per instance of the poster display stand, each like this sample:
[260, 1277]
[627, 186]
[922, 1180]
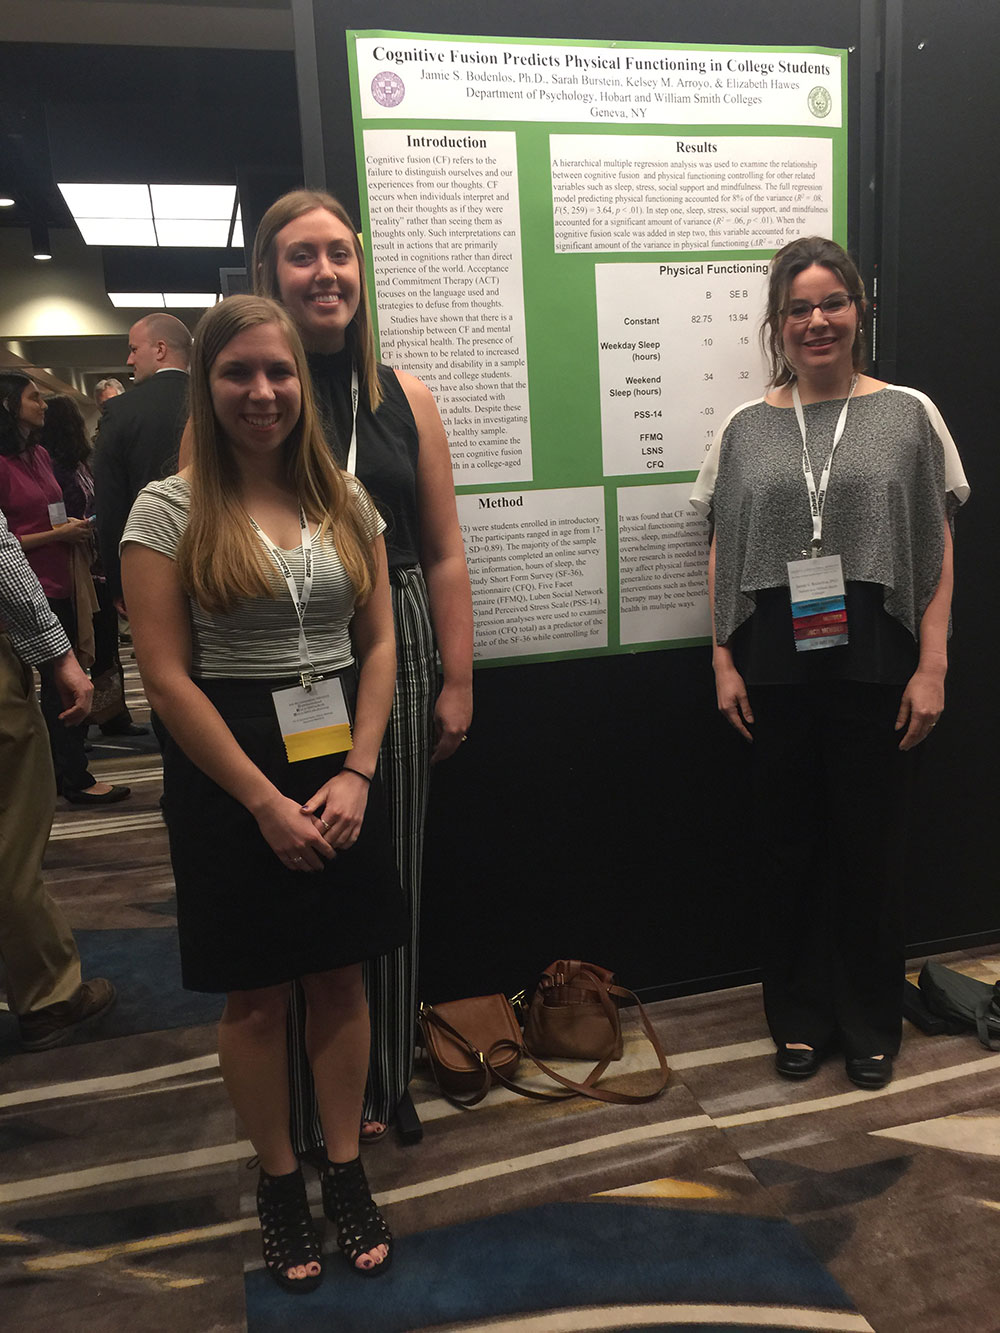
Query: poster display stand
[568, 242]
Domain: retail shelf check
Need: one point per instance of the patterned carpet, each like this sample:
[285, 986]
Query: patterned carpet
[736, 1201]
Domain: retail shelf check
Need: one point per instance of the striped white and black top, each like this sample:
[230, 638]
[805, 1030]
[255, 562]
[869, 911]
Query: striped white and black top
[258, 639]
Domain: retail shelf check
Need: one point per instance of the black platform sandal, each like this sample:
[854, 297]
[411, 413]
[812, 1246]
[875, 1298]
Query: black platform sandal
[348, 1203]
[287, 1234]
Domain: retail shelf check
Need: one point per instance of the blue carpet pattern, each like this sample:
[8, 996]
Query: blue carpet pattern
[557, 1257]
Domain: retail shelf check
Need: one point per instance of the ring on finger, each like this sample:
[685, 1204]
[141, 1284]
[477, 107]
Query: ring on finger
[324, 825]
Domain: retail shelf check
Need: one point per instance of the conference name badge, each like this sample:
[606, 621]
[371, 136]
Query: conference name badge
[313, 721]
[819, 607]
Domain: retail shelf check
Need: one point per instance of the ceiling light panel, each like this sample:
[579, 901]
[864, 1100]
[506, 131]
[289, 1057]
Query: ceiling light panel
[107, 201]
[136, 300]
[117, 231]
[194, 216]
[189, 300]
[205, 232]
[193, 201]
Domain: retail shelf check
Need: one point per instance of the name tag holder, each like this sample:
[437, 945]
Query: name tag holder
[313, 715]
[816, 581]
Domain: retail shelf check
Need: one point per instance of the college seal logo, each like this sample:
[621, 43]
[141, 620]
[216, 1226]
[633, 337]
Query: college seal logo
[388, 88]
[820, 102]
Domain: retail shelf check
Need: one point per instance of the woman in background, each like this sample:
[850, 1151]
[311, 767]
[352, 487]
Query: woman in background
[32, 501]
[382, 425]
[833, 690]
[254, 579]
[64, 436]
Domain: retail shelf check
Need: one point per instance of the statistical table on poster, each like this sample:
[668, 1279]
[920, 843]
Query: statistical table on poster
[568, 242]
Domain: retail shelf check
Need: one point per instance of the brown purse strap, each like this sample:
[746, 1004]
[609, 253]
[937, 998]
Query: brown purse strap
[587, 1088]
[507, 1044]
[429, 1018]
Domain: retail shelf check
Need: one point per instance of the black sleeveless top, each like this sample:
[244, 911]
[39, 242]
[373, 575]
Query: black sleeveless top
[388, 447]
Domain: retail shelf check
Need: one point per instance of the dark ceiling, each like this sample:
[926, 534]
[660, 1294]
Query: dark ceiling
[163, 115]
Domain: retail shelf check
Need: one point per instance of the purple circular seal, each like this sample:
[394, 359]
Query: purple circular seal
[388, 88]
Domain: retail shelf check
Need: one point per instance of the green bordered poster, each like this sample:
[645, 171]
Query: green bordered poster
[568, 242]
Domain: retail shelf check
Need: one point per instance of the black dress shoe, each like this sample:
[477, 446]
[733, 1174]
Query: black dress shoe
[87, 797]
[126, 729]
[869, 1072]
[798, 1064]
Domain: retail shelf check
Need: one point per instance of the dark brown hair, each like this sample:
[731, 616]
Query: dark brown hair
[12, 386]
[791, 260]
[64, 433]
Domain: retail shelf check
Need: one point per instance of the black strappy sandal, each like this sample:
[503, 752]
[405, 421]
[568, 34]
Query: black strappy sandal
[348, 1203]
[286, 1229]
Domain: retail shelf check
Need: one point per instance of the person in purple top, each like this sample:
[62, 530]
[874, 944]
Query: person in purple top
[32, 501]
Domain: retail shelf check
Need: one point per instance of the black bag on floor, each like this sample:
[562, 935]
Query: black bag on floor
[974, 1004]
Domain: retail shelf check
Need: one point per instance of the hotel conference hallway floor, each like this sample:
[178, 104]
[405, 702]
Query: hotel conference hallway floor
[735, 1201]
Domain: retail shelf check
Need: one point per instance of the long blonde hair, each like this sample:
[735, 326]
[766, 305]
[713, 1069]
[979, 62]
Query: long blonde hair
[219, 558]
[360, 336]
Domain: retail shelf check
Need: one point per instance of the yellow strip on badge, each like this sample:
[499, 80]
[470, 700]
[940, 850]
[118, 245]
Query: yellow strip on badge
[321, 740]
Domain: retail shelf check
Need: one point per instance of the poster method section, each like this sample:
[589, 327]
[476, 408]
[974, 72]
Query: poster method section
[677, 351]
[539, 570]
[442, 78]
[445, 237]
[676, 193]
[662, 564]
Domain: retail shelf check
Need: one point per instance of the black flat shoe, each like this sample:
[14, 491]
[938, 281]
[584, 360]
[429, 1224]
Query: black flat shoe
[129, 729]
[87, 797]
[869, 1072]
[798, 1064]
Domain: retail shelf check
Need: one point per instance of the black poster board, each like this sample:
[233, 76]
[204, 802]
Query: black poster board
[626, 840]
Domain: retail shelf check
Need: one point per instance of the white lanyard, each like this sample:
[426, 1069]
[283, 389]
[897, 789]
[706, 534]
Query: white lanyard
[299, 600]
[817, 499]
[352, 453]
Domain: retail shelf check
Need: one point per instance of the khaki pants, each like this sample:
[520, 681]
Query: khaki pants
[36, 945]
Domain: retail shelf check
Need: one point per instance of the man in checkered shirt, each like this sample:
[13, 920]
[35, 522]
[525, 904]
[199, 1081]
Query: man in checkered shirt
[39, 955]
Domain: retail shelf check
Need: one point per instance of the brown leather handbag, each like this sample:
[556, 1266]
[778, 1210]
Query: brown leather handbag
[573, 1014]
[473, 1044]
[458, 1036]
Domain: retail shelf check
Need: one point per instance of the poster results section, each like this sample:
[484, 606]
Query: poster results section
[662, 557]
[569, 243]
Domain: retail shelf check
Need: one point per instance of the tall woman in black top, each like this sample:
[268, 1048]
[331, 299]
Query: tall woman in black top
[307, 255]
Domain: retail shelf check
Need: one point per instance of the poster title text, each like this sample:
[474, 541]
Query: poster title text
[459, 55]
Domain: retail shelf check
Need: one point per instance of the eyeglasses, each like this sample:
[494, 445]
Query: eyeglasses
[835, 304]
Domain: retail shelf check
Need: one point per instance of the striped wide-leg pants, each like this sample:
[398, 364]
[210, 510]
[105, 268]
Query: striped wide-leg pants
[390, 980]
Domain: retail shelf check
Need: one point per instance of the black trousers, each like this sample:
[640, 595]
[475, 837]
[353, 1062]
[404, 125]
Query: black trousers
[106, 650]
[69, 759]
[830, 794]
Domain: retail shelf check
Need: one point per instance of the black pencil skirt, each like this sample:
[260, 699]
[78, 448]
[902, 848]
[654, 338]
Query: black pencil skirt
[244, 920]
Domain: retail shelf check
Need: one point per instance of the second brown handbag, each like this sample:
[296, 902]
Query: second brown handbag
[572, 1013]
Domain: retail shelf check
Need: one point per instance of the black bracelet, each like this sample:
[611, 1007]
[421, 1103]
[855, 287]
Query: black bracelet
[346, 769]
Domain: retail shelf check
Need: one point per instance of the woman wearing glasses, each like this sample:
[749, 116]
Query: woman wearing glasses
[830, 576]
